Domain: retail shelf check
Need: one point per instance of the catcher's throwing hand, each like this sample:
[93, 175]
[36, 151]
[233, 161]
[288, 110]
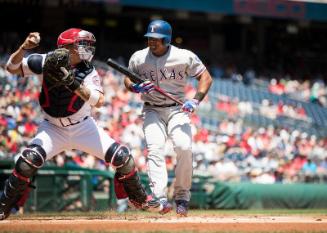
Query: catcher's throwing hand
[56, 69]
[143, 87]
[31, 41]
[190, 105]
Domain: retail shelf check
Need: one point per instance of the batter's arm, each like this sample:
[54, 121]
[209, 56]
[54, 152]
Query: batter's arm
[205, 81]
[14, 62]
[128, 83]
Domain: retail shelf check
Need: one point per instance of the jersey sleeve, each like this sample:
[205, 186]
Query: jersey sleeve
[93, 81]
[132, 63]
[196, 67]
[33, 64]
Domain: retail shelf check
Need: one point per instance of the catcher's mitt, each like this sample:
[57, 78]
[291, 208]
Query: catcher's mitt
[56, 68]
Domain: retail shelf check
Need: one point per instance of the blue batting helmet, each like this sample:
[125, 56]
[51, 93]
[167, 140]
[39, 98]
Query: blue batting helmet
[159, 29]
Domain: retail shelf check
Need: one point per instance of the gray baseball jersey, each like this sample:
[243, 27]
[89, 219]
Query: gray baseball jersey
[169, 72]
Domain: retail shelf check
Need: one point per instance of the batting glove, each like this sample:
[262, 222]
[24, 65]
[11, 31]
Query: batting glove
[190, 105]
[143, 87]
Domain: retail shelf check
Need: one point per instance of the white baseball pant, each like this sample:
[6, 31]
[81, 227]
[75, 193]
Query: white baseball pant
[159, 124]
[85, 136]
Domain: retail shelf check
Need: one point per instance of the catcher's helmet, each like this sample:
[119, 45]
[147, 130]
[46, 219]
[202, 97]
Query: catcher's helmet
[83, 40]
[159, 29]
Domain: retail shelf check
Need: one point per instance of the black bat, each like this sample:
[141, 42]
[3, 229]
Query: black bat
[136, 79]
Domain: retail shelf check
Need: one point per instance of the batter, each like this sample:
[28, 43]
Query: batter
[168, 67]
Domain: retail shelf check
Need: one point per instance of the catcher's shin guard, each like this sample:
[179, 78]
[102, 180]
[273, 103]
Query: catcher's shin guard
[136, 193]
[15, 186]
[127, 179]
[26, 167]
[133, 188]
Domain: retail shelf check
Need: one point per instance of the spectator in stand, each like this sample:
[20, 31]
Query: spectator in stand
[309, 169]
[322, 169]
[276, 87]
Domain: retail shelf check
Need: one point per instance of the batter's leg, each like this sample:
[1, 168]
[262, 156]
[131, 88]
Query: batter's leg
[179, 129]
[156, 136]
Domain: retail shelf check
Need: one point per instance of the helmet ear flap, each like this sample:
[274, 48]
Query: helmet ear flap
[167, 41]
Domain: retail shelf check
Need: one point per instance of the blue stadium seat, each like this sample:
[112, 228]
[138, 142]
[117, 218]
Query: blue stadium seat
[254, 95]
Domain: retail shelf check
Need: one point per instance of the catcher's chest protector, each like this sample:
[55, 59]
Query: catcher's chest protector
[58, 101]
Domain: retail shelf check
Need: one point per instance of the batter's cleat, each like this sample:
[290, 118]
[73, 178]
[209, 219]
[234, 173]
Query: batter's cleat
[181, 208]
[165, 207]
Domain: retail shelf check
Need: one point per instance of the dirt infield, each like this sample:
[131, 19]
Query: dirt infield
[136, 223]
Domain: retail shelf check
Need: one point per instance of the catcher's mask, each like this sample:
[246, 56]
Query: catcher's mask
[83, 41]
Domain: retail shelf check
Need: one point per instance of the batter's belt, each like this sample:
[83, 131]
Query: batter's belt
[161, 105]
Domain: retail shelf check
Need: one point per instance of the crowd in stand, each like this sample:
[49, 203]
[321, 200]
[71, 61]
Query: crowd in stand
[316, 92]
[307, 88]
[233, 151]
[266, 108]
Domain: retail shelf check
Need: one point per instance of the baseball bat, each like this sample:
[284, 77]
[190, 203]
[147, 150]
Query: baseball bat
[137, 79]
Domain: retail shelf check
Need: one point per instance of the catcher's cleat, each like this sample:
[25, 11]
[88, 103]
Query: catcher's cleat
[3, 216]
[181, 208]
[151, 204]
[3, 211]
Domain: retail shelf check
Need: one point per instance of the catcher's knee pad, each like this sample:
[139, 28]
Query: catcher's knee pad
[32, 158]
[120, 158]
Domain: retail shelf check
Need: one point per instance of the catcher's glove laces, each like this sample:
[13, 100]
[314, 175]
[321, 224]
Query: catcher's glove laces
[66, 78]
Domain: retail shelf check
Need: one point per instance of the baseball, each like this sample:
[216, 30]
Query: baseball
[36, 38]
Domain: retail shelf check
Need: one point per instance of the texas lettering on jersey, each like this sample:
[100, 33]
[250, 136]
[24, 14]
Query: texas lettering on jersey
[163, 74]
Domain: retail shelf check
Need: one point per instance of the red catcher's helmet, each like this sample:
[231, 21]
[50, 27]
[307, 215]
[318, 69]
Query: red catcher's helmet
[81, 39]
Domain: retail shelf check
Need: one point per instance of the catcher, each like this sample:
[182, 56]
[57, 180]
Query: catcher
[71, 87]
